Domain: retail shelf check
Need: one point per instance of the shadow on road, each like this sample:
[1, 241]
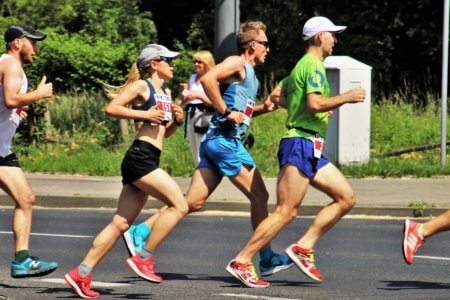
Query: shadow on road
[394, 285]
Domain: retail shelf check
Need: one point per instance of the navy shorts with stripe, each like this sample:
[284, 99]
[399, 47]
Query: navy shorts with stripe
[299, 152]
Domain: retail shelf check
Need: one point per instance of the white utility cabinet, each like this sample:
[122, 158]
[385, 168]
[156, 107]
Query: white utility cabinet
[348, 136]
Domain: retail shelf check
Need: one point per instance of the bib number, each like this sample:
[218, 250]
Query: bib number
[319, 143]
[15, 117]
[164, 103]
[248, 112]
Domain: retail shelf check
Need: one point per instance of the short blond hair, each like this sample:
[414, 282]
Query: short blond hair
[205, 57]
[247, 33]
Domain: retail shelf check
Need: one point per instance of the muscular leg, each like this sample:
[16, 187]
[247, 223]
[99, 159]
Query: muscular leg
[330, 181]
[250, 182]
[204, 182]
[130, 204]
[159, 184]
[291, 189]
[13, 182]
[438, 224]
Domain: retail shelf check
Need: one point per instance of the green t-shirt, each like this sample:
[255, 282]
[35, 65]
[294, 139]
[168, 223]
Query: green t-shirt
[308, 76]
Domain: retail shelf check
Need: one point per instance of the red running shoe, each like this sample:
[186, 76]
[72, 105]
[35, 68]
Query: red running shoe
[245, 273]
[411, 240]
[144, 268]
[81, 286]
[304, 259]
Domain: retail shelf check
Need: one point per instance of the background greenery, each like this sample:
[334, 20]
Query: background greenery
[94, 41]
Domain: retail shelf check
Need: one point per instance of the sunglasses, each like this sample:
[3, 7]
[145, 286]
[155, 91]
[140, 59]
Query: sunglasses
[264, 43]
[168, 60]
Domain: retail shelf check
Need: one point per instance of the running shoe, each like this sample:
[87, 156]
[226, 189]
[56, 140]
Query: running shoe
[246, 274]
[304, 259]
[276, 264]
[134, 242]
[144, 268]
[32, 267]
[81, 286]
[411, 240]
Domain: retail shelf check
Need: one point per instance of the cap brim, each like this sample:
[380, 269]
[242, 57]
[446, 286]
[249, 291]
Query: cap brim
[36, 36]
[334, 29]
[338, 29]
[170, 54]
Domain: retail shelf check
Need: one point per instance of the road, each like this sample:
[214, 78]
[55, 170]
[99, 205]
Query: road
[360, 259]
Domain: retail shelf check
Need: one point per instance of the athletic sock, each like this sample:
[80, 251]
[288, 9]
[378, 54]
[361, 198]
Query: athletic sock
[143, 231]
[145, 254]
[421, 233]
[84, 270]
[265, 254]
[21, 255]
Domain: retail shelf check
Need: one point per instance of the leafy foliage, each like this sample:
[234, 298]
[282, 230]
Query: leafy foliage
[88, 41]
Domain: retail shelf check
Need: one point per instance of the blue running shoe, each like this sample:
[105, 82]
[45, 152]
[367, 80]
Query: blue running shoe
[134, 242]
[31, 267]
[276, 264]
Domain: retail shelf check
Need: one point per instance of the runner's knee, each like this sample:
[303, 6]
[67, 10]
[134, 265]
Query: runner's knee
[26, 201]
[288, 214]
[182, 207]
[197, 205]
[120, 224]
[348, 202]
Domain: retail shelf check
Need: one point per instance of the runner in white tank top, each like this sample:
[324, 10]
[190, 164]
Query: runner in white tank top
[21, 48]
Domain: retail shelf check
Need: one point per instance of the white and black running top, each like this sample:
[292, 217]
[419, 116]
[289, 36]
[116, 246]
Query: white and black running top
[9, 118]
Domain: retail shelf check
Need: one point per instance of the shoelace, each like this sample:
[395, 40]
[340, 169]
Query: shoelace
[248, 269]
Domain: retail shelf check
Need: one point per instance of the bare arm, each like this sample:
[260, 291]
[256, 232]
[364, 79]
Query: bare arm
[12, 81]
[279, 97]
[178, 118]
[198, 95]
[231, 67]
[118, 106]
[319, 103]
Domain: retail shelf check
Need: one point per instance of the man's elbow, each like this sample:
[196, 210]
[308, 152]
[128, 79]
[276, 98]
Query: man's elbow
[11, 103]
[313, 108]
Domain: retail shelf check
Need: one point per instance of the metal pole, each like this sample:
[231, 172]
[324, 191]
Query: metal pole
[444, 84]
[226, 26]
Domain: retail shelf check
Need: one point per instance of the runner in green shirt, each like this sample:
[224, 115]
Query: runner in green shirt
[300, 152]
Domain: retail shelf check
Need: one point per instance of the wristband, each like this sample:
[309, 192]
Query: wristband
[227, 112]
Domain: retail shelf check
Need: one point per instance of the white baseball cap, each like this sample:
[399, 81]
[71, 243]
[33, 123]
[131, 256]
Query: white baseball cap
[151, 51]
[320, 24]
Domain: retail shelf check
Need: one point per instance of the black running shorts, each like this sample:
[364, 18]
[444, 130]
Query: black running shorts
[9, 161]
[141, 159]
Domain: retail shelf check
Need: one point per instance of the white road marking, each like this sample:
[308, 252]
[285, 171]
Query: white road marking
[432, 257]
[94, 283]
[56, 235]
[247, 296]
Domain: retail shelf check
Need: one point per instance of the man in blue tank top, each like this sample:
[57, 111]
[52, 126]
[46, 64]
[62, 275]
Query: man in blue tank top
[232, 87]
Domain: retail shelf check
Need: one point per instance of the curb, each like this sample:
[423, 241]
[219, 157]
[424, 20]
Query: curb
[305, 210]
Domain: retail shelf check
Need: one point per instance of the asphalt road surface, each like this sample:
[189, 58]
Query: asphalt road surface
[360, 259]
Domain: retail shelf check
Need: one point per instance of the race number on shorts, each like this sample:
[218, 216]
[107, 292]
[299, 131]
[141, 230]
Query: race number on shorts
[319, 142]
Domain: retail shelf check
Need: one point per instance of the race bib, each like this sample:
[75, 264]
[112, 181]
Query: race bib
[248, 112]
[319, 142]
[15, 117]
[164, 103]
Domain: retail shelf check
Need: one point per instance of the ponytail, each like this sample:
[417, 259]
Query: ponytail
[134, 75]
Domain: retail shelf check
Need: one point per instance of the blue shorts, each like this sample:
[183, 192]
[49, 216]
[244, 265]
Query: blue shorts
[299, 152]
[224, 154]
